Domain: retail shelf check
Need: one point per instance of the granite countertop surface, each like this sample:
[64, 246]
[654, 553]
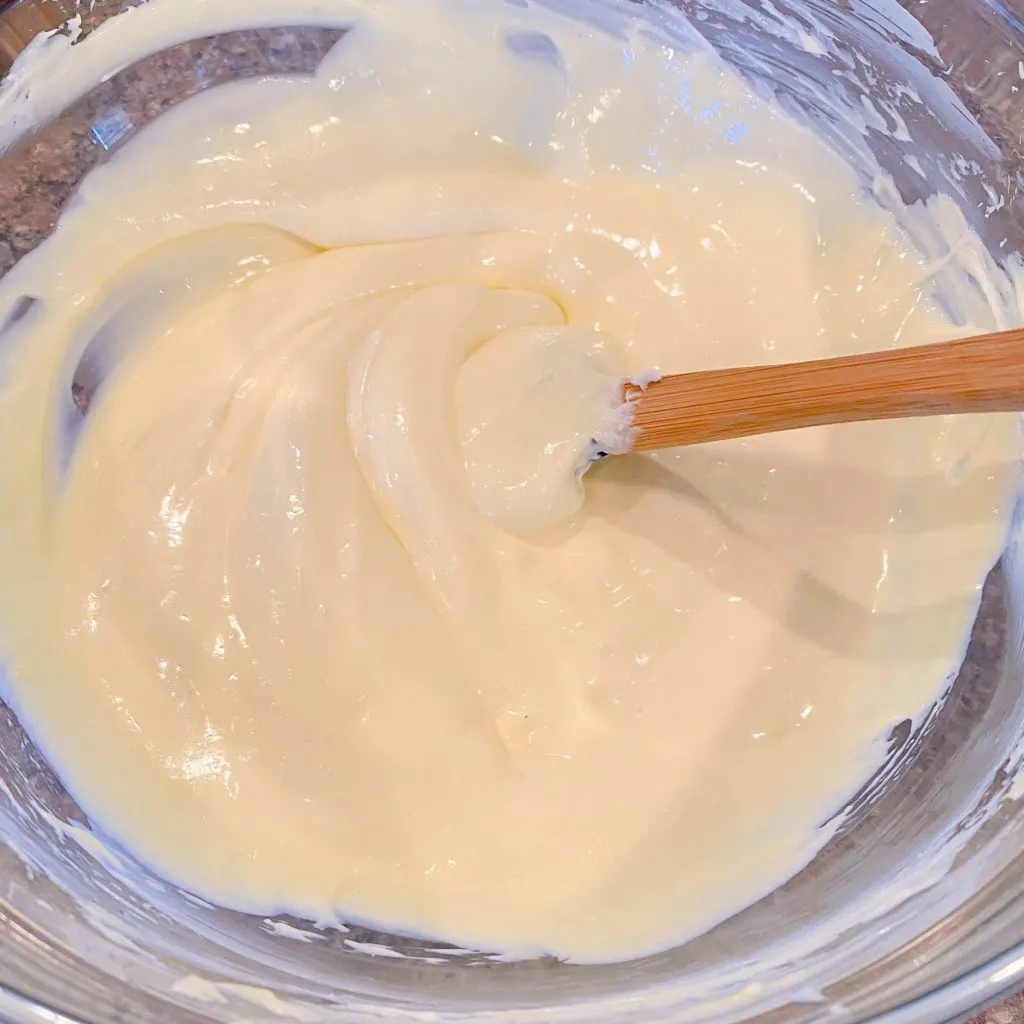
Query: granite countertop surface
[1011, 1011]
[36, 182]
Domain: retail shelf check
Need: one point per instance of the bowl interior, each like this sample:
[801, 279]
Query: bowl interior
[921, 886]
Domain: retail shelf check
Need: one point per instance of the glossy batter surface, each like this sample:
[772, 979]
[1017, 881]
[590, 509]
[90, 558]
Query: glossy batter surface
[311, 610]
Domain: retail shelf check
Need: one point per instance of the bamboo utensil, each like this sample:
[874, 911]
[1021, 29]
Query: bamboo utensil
[981, 374]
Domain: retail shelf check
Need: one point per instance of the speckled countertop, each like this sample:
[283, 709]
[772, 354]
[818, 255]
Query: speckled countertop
[1009, 1012]
[35, 182]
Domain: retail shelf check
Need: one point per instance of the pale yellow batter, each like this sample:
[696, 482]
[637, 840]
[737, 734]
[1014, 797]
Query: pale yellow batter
[318, 620]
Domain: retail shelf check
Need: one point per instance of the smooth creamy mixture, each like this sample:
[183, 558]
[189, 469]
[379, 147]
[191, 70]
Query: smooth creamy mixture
[311, 611]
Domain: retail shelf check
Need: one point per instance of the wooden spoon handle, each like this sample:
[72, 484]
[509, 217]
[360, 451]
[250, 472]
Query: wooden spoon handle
[982, 374]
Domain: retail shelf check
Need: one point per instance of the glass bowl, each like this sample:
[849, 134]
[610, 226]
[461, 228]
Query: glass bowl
[86, 935]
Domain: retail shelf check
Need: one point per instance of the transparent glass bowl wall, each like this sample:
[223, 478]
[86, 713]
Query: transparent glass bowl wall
[77, 940]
